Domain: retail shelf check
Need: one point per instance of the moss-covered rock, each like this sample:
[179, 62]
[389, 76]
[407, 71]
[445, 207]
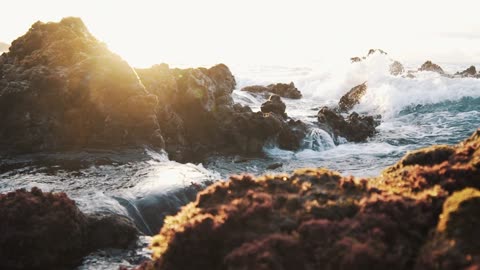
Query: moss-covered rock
[318, 219]
[43, 230]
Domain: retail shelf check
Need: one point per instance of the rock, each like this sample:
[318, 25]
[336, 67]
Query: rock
[356, 59]
[107, 230]
[274, 105]
[355, 128]
[281, 89]
[373, 51]
[315, 217]
[42, 230]
[62, 88]
[469, 72]
[429, 66]
[396, 68]
[274, 166]
[454, 243]
[352, 97]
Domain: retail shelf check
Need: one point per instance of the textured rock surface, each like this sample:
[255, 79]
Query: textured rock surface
[354, 127]
[317, 219]
[47, 231]
[60, 87]
[469, 72]
[282, 89]
[274, 105]
[429, 66]
[396, 68]
[352, 97]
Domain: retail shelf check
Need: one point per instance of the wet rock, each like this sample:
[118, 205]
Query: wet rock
[274, 166]
[396, 68]
[334, 222]
[62, 88]
[107, 230]
[429, 66]
[281, 89]
[354, 127]
[274, 105]
[469, 72]
[42, 230]
[352, 97]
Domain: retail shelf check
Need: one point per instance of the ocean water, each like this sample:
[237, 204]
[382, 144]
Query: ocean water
[146, 186]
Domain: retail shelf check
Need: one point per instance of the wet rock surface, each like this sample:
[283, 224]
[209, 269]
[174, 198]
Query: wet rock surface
[314, 218]
[352, 97]
[354, 127]
[274, 105]
[282, 89]
[42, 230]
[469, 72]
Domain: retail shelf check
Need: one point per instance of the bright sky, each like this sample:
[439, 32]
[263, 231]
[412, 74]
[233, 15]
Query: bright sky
[263, 31]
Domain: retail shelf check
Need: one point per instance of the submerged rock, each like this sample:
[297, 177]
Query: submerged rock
[352, 97]
[429, 66]
[281, 89]
[315, 218]
[354, 127]
[42, 230]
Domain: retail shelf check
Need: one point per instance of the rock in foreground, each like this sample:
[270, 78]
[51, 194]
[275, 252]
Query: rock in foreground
[352, 97]
[47, 231]
[318, 219]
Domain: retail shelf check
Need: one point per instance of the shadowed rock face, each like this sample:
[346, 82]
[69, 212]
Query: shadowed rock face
[352, 97]
[60, 87]
[318, 219]
[48, 231]
[274, 105]
[354, 127]
[429, 66]
[282, 89]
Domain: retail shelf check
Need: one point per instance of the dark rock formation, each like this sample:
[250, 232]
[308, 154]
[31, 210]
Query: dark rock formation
[274, 105]
[396, 68]
[352, 97]
[48, 231]
[469, 72]
[429, 66]
[354, 127]
[60, 87]
[373, 51]
[281, 89]
[356, 59]
[318, 219]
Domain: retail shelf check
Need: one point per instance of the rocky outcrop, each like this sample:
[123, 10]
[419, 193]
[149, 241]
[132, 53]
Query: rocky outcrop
[48, 231]
[274, 105]
[62, 88]
[354, 127]
[281, 89]
[469, 72]
[396, 68]
[352, 97]
[429, 66]
[201, 116]
[410, 217]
